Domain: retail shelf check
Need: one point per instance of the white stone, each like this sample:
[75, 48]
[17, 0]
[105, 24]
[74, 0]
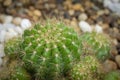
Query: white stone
[2, 54]
[10, 34]
[19, 30]
[7, 19]
[107, 2]
[8, 25]
[11, 30]
[25, 24]
[1, 27]
[98, 29]
[2, 35]
[113, 5]
[85, 27]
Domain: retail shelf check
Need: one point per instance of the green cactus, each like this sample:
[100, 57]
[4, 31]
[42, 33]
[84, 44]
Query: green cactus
[95, 43]
[13, 71]
[50, 49]
[86, 69]
[12, 46]
[113, 75]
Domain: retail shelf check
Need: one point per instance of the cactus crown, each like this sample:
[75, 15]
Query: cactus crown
[50, 49]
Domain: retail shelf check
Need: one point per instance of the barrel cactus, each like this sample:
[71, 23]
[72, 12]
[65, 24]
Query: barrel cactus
[95, 43]
[86, 69]
[49, 50]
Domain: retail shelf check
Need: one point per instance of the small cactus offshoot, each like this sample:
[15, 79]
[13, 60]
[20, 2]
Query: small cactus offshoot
[86, 69]
[113, 75]
[50, 49]
[12, 46]
[95, 43]
[13, 71]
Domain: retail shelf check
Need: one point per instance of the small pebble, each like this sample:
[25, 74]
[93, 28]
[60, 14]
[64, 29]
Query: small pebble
[19, 30]
[115, 42]
[105, 26]
[11, 30]
[7, 19]
[109, 65]
[83, 17]
[113, 52]
[37, 13]
[98, 29]
[2, 35]
[10, 34]
[85, 27]
[7, 2]
[17, 21]
[25, 24]
[113, 5]
[117, 59]
[78, 7]
[6, 26]
[75, 26]
[59, 1]
[2, 18]
[71, 12]
[100, 12]
[1, 27]
[66, 15]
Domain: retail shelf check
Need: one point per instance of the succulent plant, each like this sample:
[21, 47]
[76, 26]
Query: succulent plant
[95, 43]
[86, 69]
[12, 46]
[50, 49]
[13, 71]
[113, 75]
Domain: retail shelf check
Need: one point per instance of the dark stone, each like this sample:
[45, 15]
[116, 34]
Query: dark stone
[118, 48]
[59, 1]
[76, 1]
[77, 13]
[66, 15]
